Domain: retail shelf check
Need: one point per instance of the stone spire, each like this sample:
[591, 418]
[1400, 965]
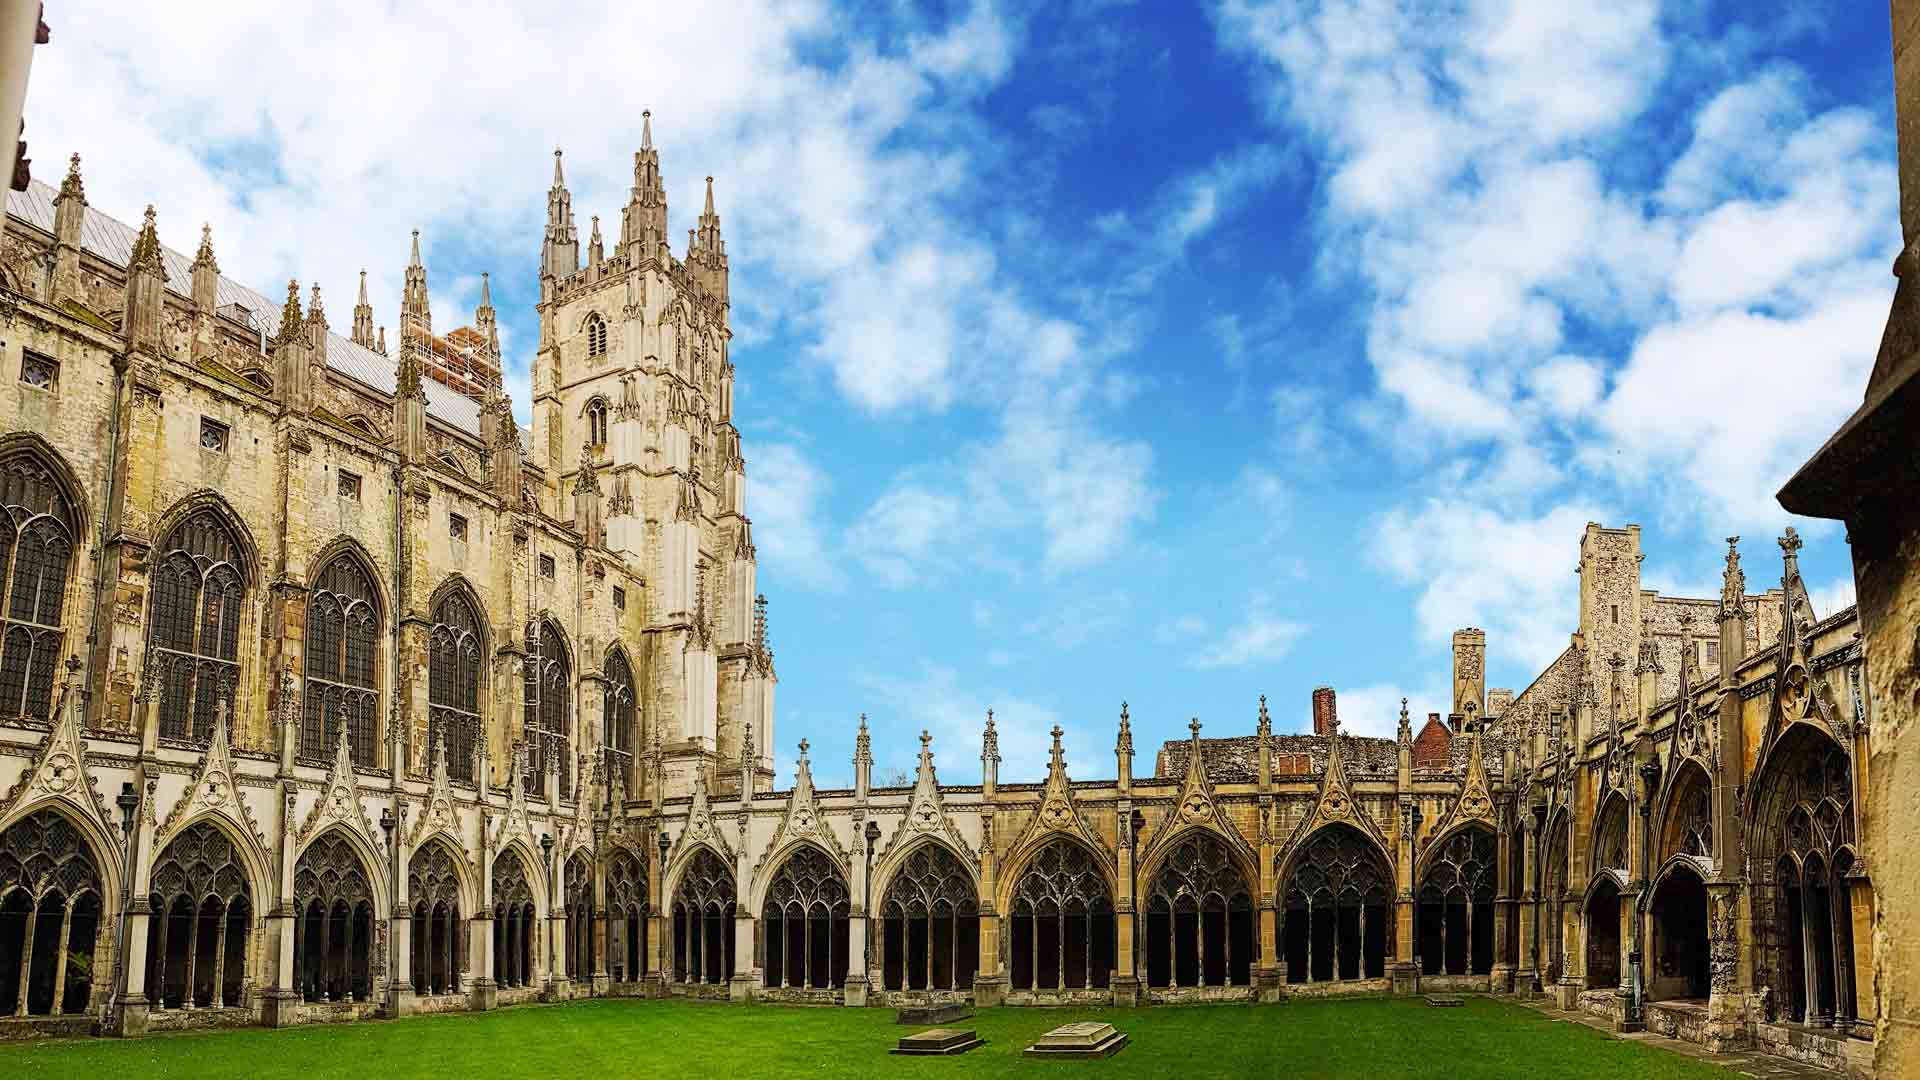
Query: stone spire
[596, 252]
[989, 757]
[416, 312]
[485, 319]
[1733, 583]
[206, 274]
[862, 760]
[707, 252]
[560, 250]
[363, 317]
[69, 214]
[292, 379]
[317, 321]
[144, 297]
[1123, 751]
[644, 222]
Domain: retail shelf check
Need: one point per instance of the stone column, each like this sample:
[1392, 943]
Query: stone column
[1573, 954]
[1529, 970]
[740, 987]
[1126, 914]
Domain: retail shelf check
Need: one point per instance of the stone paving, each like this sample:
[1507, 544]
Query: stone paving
[1744, 1062]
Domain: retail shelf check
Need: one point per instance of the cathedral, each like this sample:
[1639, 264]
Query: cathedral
[328, 692]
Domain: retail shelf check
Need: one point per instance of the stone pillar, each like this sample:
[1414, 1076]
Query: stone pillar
[1529, 970]
[1727, 1004]
[740, 987]
[483, 990]
[857, 981]
[1126, 915]
[1624, 1020]
[1573, 963]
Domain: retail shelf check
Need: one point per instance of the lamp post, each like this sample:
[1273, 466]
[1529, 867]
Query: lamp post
[1539, 877]
[128, 803]
[665, 846]
[1136, 821]
[393, 889]
[546, 853]
[1636, 954]
[866, 903]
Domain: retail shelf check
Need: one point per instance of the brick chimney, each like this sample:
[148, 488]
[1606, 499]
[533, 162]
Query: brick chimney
[1326, 719]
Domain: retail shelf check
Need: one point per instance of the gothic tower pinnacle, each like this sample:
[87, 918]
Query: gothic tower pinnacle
[644, 222]
[363, 317]
[560, 251]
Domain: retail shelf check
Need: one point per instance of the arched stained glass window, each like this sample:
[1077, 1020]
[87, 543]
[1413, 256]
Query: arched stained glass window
[453, 683]
[37, 540]
[194, 629]
[549, 704]
[343, 634]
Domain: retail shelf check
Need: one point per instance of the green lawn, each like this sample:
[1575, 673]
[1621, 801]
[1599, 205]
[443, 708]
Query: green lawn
[1372, 1039]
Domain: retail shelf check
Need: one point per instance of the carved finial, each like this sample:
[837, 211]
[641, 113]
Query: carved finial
[291, 328]
[803, 749]
[1193, 725]
[415, 260]
[1058, 754]
[559, 179]
[203, 259]
[146, 248]
[925, 740]
[315, 311]
[1790, 543]
[1733, 585]
[70, 188]
[1265, 726]
[990, 740]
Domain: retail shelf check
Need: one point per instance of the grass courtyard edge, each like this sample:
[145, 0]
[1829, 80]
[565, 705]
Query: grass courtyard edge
[1371, 1038]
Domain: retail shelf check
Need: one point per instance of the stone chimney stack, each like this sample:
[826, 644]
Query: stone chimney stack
[1326, 718]
[1469, 672]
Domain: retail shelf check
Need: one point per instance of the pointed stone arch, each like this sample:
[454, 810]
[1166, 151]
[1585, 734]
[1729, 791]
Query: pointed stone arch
[804, 906]
[337, 903]
[369, 860]
[1686, 814]
[702, 898]
[927, 918]
[1610, 844]
[1199, 906]
[1335, 893]
[1059, 905]
[206, 500]
[53, 898]
[30, 444]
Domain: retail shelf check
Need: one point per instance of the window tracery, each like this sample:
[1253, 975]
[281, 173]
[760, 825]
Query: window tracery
[549, 700]
[930, 932]
[1336, 924]
[1199, 918]
[453, 683]
[343, 632]
[37, 536]
[194, 628]
[617, 715]
[333, 953]
[1062, 921]
[805, 917]
[702, 913]
[627, 910]
[48, 883]
[515, 927]
[201, 905]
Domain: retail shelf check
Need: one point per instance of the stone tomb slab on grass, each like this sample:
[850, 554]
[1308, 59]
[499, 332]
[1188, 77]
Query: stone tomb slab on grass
[1445, 1001]
[943, 1012]
[939, 1040]
[1087, 1039]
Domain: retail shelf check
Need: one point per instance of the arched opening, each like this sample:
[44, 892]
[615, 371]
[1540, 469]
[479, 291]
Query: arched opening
[549, 698]
[515, 928]
[596, 335]
[1553, 897]
[438, 932]
[1339, 915]
[1803, 918]
[1603, 935]
[1063, 931]
[38, 527]
[703, 912]
[1200, 918]
[579, 897]
[194, 626]
[49, 915]
[1679, 954]
[333, 927]
[626, 918]
[1456, 905]
[201, 883]
[930, 924]
[805, 922]
[454, 648]
[342, 647]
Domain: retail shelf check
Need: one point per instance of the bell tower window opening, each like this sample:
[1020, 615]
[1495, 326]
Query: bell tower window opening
[596, 336]
[597, 423]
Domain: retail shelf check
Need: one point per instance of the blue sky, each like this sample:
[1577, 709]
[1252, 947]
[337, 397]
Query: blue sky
[1173, 353]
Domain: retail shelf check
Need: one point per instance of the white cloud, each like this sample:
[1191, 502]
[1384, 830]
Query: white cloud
[933, 699]
[896, 534]
[1258, 637]
[788, 496]
[1833, 597]
[1513, 577]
